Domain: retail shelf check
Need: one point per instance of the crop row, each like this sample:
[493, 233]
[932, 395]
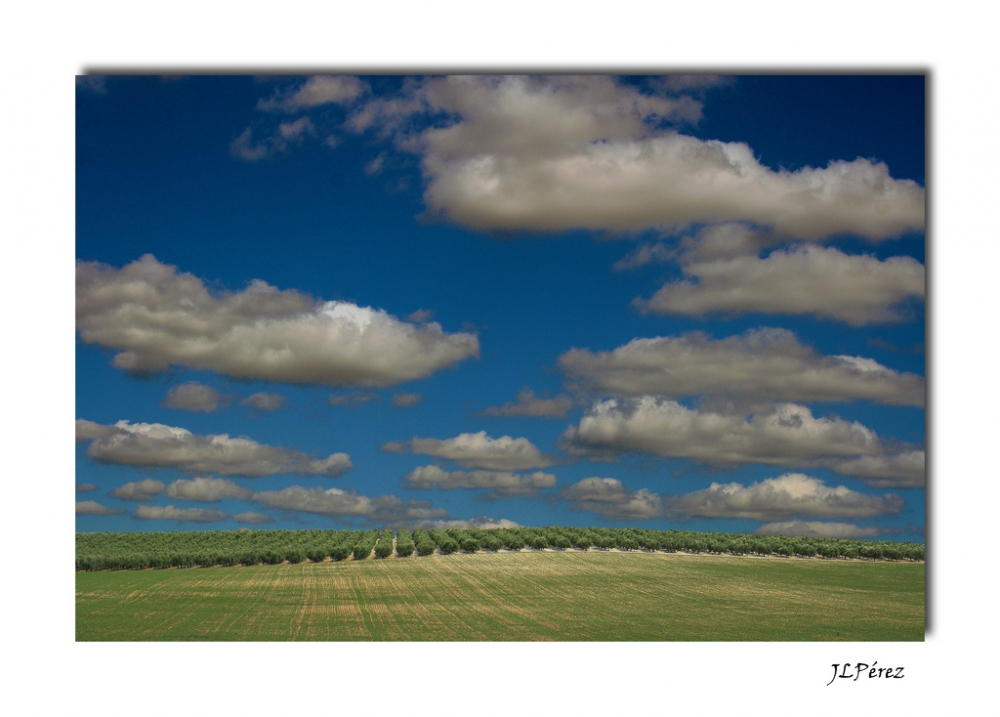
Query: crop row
[99, 551]
[118, 551]
[404, 544]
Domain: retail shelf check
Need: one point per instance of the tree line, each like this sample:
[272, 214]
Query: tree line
[133, 551]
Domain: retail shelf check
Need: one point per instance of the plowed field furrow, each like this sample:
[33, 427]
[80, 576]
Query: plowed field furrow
[453, 602]
[524, 596]
[510, 612]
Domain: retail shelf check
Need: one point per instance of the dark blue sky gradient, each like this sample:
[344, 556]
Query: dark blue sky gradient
[155, 176]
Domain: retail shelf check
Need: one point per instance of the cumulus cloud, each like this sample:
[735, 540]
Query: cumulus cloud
[477, 450]
[243, 147]
[406, 400]
[528, 404]
[92, 507]
[295, 131]
[420, 316]
[206, 490]
[900, 470]
[711, 242]
[287, 133]
[352, 399]
[84, 487]
[658, 253]
[376, 166]
[314, 92]
[670, 181]
[264, 401]
[558, 153]
[520, 114]
[480, 523]
[158, 317]
[759, 364]
[181, 515]
[252, 518]
[88, 430]
[387, 115]
[725, 241]
[154, 445]
[608, 497]
[787, 434]
[792, 494]
[817, 529]
[139, 490]
[193, 396]
[499, 484]
[856, 289]
[335, 503]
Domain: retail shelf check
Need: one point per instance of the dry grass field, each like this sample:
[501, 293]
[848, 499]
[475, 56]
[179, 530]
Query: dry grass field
[519, 596]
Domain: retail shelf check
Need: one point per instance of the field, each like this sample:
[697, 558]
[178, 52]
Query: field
[520, 596]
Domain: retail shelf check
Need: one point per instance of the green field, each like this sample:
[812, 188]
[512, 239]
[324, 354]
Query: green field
[522, 596]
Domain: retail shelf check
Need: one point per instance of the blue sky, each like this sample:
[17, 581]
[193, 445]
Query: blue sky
[681, 301]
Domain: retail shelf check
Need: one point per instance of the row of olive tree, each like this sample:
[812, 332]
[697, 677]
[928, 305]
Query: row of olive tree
[364, 546]
[383, 548]
[404, 544]
[130, 551]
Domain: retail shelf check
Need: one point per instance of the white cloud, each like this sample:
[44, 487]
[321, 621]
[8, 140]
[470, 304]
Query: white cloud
[477, 450]
[335, 503]
[817, 529]
[252, 518]
[352, 399]
[760, 363]
[715, 241]
[406, 400]
[158, 317]
[480, 523]
[181, 515]
[787, 434]
[725, 241]
[88, 430]
[243, 147]
[792, 494]
[146, 489]
[668, 182]
[154, 445]
[206, 490]
[193, 396]
[264, 401]
[286, 134]
[608, 497]
[557, 153]
[375, 166]
[856, 289]
[92, 507]
[295, 130]
[522, 116]
[658, 253]
[314, 92]
[85, 487]
[528, 404]
[900, 470]
[498, 483]
[420, 316]
[389, 114]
